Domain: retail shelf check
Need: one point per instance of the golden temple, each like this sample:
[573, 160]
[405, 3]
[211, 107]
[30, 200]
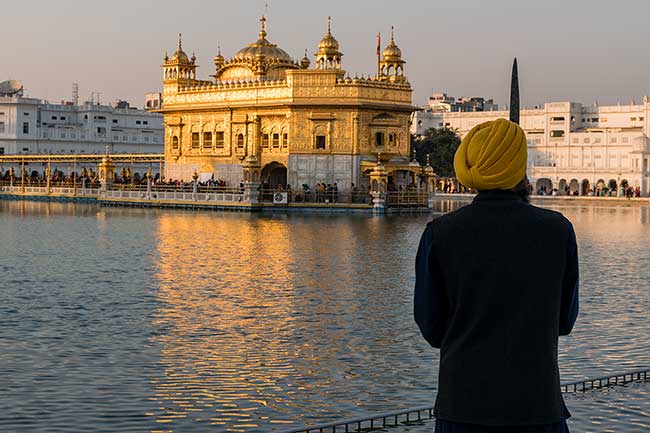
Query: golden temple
[267, 118]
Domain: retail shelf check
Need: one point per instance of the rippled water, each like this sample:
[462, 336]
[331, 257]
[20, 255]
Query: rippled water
[135, 320]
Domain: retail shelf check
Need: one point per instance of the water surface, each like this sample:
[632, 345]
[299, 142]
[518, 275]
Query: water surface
[133, 320]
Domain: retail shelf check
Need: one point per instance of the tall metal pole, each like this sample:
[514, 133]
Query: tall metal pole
[22, 175]
[49, 176]
[74, 177]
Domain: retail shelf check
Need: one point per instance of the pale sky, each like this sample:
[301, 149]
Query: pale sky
[579, 50]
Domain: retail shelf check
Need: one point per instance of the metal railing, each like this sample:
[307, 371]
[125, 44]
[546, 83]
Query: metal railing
[395, 418]
[175, 188]
[317, 197]
[54, 190]
[605, 381]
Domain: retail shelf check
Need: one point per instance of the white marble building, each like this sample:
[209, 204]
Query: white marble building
[572, 145]
[31, 126]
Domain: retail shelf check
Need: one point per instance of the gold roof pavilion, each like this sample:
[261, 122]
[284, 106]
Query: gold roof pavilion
[298, 124]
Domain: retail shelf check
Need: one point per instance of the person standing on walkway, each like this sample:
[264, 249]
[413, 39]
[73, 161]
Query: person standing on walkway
[481, 298]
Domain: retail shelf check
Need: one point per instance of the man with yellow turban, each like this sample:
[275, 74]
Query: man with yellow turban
[496, 285]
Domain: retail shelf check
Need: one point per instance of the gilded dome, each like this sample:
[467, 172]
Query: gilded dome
[305, 62]
[263, 47]
[329, 42]
[180, 54]
[392, 51]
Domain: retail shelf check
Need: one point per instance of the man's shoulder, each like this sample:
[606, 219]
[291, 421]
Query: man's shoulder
[469, 212]
[550, 216]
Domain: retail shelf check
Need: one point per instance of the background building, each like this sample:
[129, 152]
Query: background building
[572, 146]
[299, 124]
[430, 116]
[153, 101]
[33, 126]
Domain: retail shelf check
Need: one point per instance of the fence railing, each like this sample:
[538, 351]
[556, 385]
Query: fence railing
[317, 197]
[175, 188]
[228, 197]
[54, 190]
[395, 418]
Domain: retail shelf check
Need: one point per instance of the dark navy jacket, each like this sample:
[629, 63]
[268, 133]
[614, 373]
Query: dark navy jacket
[496, 284]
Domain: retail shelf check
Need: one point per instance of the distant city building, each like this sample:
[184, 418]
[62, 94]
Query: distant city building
[571, 147]
[33, 126]
[442, 103]
[153, 101]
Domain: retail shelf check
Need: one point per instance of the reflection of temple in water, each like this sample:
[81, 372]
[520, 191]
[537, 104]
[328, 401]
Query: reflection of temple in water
[226, 326]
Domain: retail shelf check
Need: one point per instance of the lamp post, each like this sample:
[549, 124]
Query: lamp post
[195, 185]
[149, 176]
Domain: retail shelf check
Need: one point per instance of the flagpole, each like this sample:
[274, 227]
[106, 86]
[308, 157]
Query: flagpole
[378, 54]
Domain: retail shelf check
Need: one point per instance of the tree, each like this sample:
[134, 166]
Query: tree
[440, 144]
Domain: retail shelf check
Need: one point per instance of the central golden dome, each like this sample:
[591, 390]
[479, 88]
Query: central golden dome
[262, 47]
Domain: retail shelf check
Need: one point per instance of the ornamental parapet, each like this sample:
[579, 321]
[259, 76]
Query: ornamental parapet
[208, 86]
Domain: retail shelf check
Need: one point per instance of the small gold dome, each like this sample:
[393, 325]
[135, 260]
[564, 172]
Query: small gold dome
[305, 62]
[392, 51]
[180, 54]
[219, 59]
[329, 42]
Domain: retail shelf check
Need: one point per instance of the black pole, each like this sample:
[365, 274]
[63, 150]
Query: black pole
[514, 94]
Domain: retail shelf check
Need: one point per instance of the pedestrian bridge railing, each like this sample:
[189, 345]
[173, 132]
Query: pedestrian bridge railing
[229, 197]
[396, 418]
[54, 190]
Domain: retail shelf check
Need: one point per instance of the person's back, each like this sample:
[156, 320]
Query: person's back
[496, 284]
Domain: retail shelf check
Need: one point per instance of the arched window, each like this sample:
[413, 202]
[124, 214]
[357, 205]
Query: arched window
[379, 139]
[392, 139]
[174, 143]
[207, 140]
[240, 141]
[321, 142]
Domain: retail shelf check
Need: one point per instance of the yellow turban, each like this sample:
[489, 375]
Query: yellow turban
[492, 156]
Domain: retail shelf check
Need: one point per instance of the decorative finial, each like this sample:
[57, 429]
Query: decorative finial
[263, 27]
[329, 25]
[378, 157]
[106, 150]
[166, 56]
[180, 41]
[428, 159]
[218, 50]
[392, 34]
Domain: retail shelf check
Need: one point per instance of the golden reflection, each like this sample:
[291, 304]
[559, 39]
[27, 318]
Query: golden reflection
[226, 321]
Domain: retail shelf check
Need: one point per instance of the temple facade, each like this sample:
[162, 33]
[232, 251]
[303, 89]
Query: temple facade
[283, 121]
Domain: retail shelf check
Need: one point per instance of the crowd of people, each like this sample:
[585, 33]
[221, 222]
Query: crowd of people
[598, 191]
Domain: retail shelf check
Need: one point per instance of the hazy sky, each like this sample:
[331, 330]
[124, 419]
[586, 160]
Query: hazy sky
[581, 50]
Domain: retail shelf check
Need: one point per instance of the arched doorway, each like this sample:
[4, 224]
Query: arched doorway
[543, 186]
[574, 187]
[562, 187]
[274, 175]
[585, 186]
[612, 185]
